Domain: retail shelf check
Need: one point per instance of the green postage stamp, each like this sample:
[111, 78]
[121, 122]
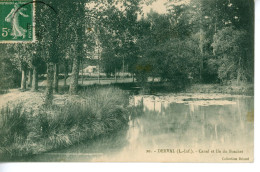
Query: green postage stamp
[16, 21]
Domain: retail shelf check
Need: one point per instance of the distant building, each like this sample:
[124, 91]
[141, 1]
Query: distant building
[90, 69]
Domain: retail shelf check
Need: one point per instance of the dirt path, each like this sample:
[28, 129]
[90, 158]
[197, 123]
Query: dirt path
[34, 99]
[15, 96]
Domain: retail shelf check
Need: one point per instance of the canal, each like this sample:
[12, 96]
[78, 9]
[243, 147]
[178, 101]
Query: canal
[172, 127]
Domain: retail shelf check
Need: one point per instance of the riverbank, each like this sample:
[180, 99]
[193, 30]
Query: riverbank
[243, 89]
[26, 129]
[185, 120]
[166, 87]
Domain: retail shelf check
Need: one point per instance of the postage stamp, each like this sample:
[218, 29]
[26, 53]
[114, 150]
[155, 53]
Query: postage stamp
[16, 21]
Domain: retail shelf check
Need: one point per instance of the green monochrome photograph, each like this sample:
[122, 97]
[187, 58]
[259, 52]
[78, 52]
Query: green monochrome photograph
[127, 81]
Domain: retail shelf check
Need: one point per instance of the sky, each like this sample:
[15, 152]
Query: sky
[160, 6]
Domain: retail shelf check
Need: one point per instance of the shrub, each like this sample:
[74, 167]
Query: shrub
[9, 75]
[13, 124]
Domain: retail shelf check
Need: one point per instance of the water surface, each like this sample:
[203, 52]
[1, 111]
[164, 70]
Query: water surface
[177, 127]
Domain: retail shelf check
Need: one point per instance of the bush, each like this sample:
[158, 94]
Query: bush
[9, 75]
[13, 124]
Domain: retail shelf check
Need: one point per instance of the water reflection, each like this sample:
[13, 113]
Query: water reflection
[198, 119]
[187, 121]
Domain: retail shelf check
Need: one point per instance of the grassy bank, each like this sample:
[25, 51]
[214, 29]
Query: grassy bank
[25, 131]
[243, 89]
[157, 88]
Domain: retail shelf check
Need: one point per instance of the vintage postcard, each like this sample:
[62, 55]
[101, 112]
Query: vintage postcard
[127, 81]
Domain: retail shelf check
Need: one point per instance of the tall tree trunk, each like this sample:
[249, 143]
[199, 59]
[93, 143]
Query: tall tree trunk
[23, 81]
[56, 78]
[74, 76]
[215, 25]
[29, 84]
[239, 71]
[123, 68]
[98, 71]
[82, 74]
[35, 79]
[65, 73]
[201, 53]
[201, 43]
[115, 75]
[49, 88]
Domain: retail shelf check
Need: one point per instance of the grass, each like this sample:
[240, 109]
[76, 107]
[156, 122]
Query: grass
[243, 89]
[26, 131]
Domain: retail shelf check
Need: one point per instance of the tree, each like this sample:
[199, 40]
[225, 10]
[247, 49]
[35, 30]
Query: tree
[47, 32]
[114, 25]
[36, 62]
[76, 20]
[9, 73]
[161, 46]
[230, 46]
[20, 57]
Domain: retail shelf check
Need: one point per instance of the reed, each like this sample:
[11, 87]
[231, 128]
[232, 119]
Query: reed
[96, 112]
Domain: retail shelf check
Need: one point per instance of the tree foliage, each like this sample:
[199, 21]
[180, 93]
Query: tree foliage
[200, 41]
